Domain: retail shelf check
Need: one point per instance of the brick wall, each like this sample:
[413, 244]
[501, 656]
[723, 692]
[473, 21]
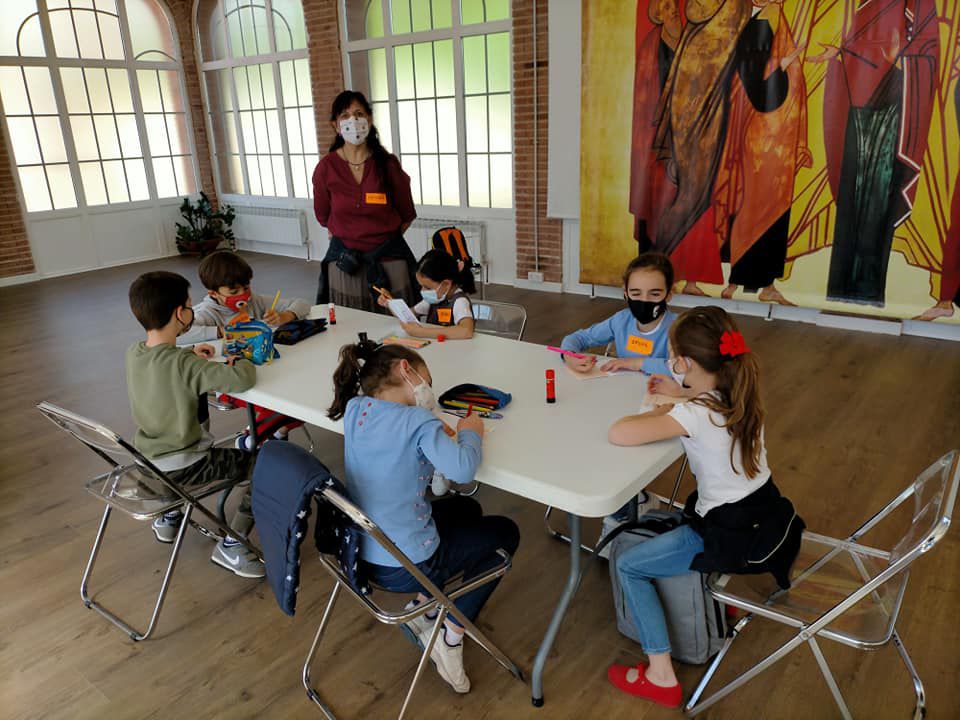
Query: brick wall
[15, 257]
[526, 156]
[326, 70]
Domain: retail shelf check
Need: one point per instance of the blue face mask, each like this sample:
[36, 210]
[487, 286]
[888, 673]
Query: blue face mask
[431, 296]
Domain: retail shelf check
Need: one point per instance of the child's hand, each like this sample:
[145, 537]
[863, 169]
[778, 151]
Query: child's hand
[632, 364]
[275, 319]
[232, 359]
[204, 350]
[471, 422]
[580, 364]
[383, 299]
[663, 385]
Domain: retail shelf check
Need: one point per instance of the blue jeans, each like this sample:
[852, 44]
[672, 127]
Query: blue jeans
[663, 556]
[469, 541]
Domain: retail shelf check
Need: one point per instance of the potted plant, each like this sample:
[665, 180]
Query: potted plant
[205, 228]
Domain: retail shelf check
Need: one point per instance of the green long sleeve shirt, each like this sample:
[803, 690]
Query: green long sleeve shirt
[164, 384]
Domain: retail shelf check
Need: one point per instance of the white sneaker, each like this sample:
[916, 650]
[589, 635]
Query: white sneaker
[449, 662]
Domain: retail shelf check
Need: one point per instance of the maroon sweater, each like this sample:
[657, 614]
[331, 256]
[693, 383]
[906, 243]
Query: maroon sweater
[363, 216]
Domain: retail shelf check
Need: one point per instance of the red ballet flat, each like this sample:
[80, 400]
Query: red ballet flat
[670, 697]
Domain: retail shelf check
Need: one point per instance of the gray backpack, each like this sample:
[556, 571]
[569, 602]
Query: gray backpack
[695, 621]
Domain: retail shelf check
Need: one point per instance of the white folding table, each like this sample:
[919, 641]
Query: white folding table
[555, 454]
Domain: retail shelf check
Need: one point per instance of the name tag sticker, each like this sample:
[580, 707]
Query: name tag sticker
[639, 345]
[376, 198]
[445, 315]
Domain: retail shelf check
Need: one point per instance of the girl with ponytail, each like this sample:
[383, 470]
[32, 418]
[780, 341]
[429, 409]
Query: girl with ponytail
[393, 443]
[736, 521]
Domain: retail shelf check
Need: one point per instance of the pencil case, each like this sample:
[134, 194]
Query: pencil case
[252, 340]
[483, 397]
[296, 330]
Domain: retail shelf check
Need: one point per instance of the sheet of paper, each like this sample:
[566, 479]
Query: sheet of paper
[402, 311]
[596, 371]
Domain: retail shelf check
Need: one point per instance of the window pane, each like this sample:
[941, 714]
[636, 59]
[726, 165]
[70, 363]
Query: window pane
[501, 127]
[157, 135]
[116, 181]
[163, 174]
[288, 25]
[11, 15]
[137, 178]
[378, 75]
[403, 67]
[266, 175]
[149, 90]
[476, 120]
[498, 60]
[421, 17]
[400, 16]
[177, 131]
[61, 186]
[74, 91]
[447, 125]
[474, 65]
[430, 179]
[97, 88]
[13, 92]
[260, 127]
[253, 172]
[381, 116]
[83, 137]
[120, 90]
[294, 136]
[31, 38]
[478, 181]
[110, 37]
[450, 180]
[280, 176]
[93, 189]
[268, 92]
[107, 136]
[427, 126]
[88, 35]
[183, 170]
[129, 136]
[33, 183]
[443, 51]
[230, 129]
[236, 175]
[243, 88]
[219, 93]
[298, 170]
[471, 11]
[249, 138]
[273, 131]
[170, 91]
[51, 140]
[411, 165]
[309, 130]
[497, 10]
[442, 14]
[407, 116]
[213, 42]
[23, 139]
[365, 19]
[501, 181]
[149, 28]
[304, 94]
[63, 37]
[41, 91]
[288, 83]
[423, 69]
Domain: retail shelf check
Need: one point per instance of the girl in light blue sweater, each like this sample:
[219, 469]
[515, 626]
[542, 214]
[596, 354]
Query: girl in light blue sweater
[393, 444]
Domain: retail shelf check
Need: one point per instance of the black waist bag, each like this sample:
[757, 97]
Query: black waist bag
[296, 330]
[349, 261]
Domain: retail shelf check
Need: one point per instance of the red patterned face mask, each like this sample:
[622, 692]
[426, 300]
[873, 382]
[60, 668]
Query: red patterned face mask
[237, 302]
[732, 344]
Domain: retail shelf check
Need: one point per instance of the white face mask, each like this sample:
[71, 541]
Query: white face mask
[422, 393]
[678, 376]
[354, 130]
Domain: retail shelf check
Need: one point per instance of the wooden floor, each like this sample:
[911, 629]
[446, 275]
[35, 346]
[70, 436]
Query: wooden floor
[852, 418]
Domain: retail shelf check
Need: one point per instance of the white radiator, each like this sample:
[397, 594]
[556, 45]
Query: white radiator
[282, 226]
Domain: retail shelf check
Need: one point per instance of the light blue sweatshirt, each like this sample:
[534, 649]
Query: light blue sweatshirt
[618, 328]
[391, 451]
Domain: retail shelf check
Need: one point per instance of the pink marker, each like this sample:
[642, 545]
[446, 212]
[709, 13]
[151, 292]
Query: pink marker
[578, 356]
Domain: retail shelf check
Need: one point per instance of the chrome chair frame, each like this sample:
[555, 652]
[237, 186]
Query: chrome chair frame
[105, 487]
[494, 305]
[898, 560]
[438, 599]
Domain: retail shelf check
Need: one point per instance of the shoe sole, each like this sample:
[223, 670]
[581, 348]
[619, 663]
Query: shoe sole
[162, 539]
[236, 571]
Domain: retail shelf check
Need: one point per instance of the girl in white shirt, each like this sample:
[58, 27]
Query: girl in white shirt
[721, 428]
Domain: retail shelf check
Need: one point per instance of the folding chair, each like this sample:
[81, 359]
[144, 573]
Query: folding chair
[135, 486]
[438, 599]
[452, 241]
[841, 589]
[499, 318]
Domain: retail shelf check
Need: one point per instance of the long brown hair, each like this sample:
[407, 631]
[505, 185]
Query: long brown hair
[365, 366]
[697, 335]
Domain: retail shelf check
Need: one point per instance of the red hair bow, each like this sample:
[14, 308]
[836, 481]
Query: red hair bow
[733, 344]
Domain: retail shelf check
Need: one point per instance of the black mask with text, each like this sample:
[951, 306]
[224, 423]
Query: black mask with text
[646, 311]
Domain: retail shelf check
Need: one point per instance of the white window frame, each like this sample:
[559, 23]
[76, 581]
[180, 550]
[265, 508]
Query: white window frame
[456, 32]
[54, 63]
[273, 58]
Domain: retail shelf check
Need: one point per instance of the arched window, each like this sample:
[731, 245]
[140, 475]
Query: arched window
[254, 63]
[438, 74]
[93, 100]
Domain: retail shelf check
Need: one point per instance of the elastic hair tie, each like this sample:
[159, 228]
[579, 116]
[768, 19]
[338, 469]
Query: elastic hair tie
[732, 344]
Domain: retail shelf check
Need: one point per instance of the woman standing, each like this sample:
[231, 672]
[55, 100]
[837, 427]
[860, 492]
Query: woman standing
[362, 196]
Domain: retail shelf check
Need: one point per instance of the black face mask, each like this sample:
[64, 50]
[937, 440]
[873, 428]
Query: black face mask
[645, 311]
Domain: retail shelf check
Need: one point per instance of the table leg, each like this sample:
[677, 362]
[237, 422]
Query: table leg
[573, 582]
